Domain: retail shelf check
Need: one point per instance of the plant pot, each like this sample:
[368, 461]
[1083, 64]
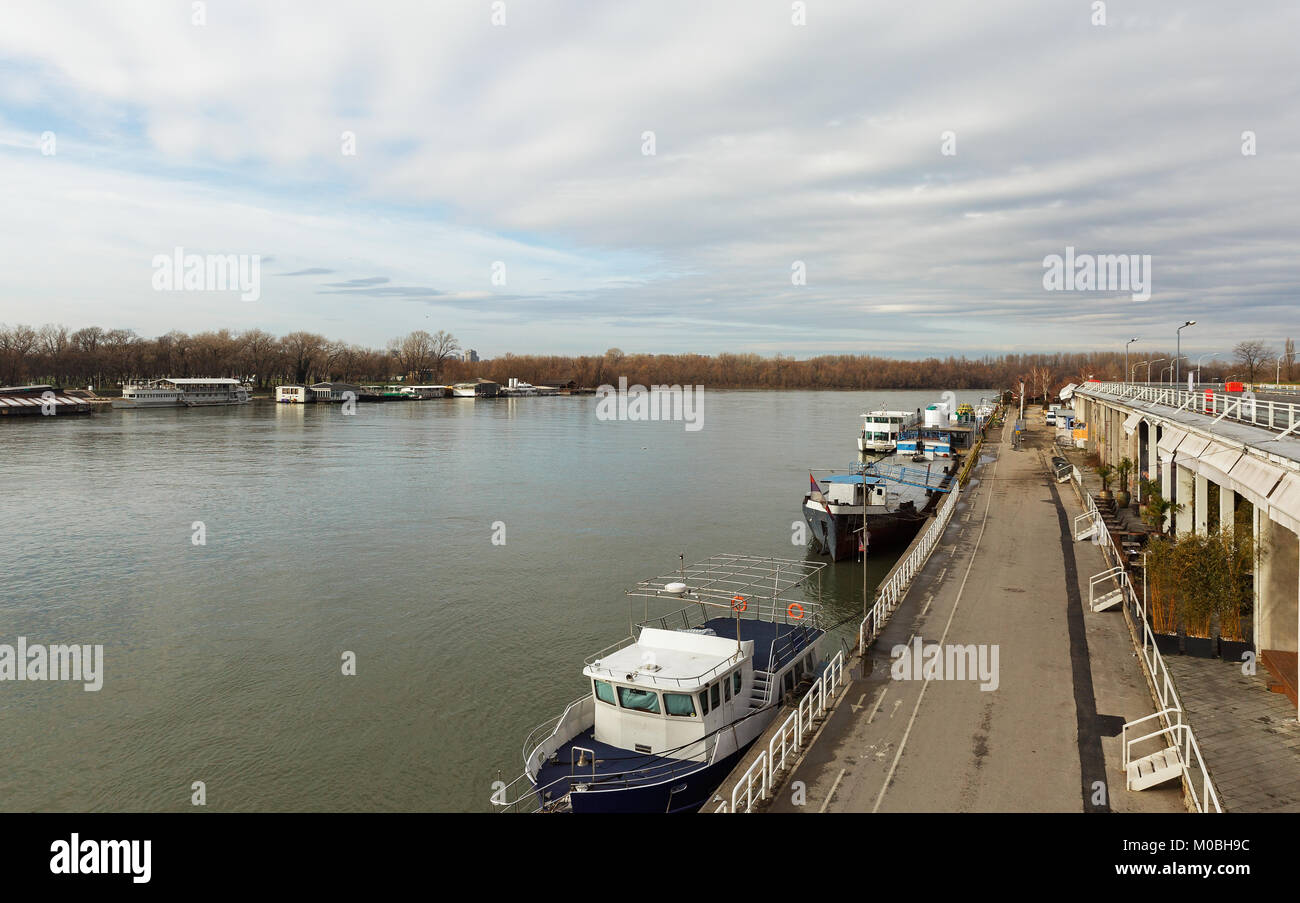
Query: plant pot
[1167, 643]
[1123, 499]
[1232, 650]
[1104, 494]
[1199, 646]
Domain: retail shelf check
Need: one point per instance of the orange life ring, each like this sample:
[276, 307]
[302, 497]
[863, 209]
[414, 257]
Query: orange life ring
[792, 609]
[738, 603]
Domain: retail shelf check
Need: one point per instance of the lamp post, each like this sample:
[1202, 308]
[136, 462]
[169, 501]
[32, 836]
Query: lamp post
[1201, 358]
[1131, 372]
[1179, 333]
[1164, 370]
[1277, 380]
[1126, 344]
[1149, 363]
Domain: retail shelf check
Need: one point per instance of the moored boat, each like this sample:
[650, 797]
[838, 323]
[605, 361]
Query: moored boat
[668, 711]
[880, 430]
[188, 392]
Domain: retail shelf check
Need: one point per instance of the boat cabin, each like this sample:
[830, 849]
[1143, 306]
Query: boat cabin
[846, 489]
[926, 443]
[670, 689]
[880, 429]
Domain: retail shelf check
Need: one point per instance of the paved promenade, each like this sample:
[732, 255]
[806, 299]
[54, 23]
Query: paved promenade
[1007, 573]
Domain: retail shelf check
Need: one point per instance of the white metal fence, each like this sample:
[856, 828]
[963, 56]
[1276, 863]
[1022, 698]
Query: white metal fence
[890, 593]
[756, 784]
[1173, 730]
[1240, 407]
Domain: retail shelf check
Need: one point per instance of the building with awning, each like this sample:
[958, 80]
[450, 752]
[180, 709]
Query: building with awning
[1247, 455]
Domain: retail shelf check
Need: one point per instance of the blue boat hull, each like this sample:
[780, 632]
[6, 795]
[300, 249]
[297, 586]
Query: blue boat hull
[682, 793]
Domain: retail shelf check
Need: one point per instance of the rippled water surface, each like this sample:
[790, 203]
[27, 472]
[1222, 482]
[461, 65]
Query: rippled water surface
[371, 533]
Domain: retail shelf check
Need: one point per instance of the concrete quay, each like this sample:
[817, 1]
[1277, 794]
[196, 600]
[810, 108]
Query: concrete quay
[1007, 575]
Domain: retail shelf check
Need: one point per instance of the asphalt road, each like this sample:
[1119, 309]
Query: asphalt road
[1007, 575]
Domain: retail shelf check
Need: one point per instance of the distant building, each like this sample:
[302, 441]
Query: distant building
[471, 356]
[330, 391]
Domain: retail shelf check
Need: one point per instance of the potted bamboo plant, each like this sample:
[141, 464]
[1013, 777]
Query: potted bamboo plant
[1124, 468]
[1237, 609]
[1200, 580]
[1106, 473]
[1162, 575]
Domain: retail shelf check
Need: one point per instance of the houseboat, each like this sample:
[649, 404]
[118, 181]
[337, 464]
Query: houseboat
[422, 392]
[293, 395]
[38, 400]
[481, 388]
[667, 713]
[924, 444]
[172, 393]
[880, 430]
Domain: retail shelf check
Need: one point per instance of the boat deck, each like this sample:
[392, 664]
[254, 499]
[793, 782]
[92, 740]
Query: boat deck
[775, 645]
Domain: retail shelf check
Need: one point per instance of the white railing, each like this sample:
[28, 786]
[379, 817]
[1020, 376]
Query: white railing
[1241, 407]
[890, 593]
[1176, 735]
[757, 783]
[1189, 751]
[1119, 574]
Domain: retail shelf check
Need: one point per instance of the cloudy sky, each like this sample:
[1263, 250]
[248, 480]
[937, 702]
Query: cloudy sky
[776, 145]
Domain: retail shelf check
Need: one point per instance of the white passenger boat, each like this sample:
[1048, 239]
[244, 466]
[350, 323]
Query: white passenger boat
[668, 712]
[880, 430]
[172, 393]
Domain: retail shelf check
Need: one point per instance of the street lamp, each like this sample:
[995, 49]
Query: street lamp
[1201, 358]
[1135, 366]
[1126, 344]
[1278, 379]
[1164, 370]
[1149, 363]
[1179, 333]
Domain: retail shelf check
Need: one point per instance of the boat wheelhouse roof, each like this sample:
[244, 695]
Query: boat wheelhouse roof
[670, 658]
[854, 478]
[873, 414]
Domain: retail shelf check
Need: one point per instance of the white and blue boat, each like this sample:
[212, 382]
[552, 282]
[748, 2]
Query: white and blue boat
[925, 444]
[669, 711]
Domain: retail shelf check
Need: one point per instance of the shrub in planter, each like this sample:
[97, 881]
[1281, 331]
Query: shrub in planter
[1122, 471]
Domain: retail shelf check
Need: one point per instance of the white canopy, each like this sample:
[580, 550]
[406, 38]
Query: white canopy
[1254, 479]
[1132, 422]
[1284, 503]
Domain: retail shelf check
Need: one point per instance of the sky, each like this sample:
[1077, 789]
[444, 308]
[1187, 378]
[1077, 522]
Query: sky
[564, 177]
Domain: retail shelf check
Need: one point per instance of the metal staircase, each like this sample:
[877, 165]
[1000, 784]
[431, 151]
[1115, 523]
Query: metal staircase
[759, 690]
[1165, 764]
[1099, 598]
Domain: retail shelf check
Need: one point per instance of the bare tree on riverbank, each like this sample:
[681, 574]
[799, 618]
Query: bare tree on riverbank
[1250, 355]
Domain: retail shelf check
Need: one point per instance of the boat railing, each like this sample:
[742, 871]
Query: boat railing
[537, 738]
[746, 608]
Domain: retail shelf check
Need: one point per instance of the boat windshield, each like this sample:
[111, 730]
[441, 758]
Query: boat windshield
[641, 700]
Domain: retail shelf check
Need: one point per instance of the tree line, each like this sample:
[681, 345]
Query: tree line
[107, 357]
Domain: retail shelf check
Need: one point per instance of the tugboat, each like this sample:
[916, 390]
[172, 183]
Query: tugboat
[670, 710]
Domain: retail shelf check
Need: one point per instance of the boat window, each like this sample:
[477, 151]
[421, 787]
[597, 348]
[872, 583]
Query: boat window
[704, 701]
[726, 690]
[641, 700]
[716, 695]
[604, 692]
[735, 683]
[679, 704]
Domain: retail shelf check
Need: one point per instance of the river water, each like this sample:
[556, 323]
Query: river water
[372, 534]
